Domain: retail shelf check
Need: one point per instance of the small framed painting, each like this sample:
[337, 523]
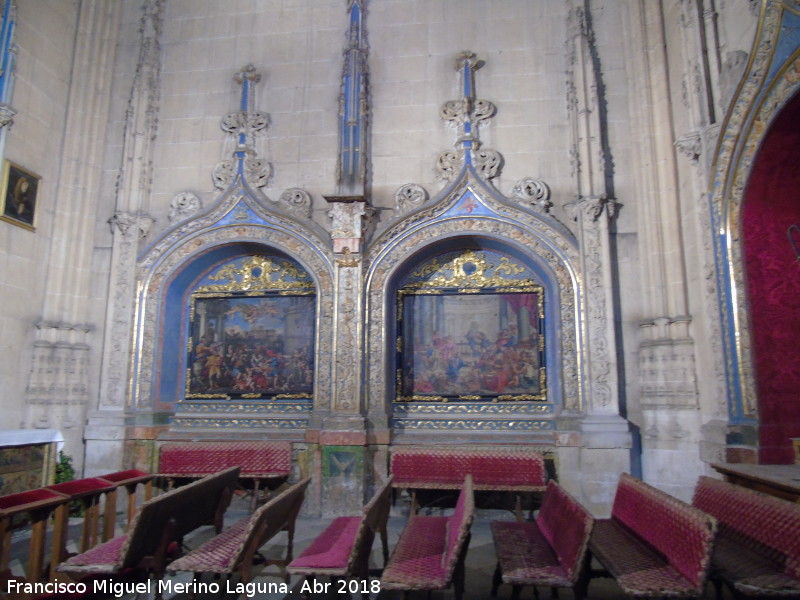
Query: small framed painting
[20, 192]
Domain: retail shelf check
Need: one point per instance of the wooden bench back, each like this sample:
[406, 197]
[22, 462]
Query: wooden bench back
[755, 520]
[375, 516]
[254, 459]
[458, 528]
[170, 516]
[268, 520]
[681, 533]
[491, 468]
[567, 525]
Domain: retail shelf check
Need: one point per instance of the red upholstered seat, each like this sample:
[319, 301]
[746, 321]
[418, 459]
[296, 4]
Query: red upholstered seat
[758, 544]
[636, 568]
[525, 555]
[430, 552]
[654, 544]
[216, 554]
[417, 559]
[125, 476]
[82, 487]
[104, 557]
[331, 549]
[491, 468]
[29, 497]
[550, 551]
[194, 459]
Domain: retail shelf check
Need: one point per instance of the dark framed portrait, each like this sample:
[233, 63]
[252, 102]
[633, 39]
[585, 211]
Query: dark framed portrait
[244, 346]
[20, 193]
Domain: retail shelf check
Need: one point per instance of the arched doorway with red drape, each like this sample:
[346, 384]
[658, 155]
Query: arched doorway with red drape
[771, 237]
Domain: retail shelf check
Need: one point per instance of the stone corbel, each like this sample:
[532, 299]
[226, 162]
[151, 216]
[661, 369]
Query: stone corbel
[131, 225]
[347, 222]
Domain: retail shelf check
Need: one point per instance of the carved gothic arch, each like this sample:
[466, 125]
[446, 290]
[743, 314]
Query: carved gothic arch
[770, 83]
[473, 212]
[238, 225]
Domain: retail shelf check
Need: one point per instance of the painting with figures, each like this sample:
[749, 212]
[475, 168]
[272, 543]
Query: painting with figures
[478, 346]
[252, 347]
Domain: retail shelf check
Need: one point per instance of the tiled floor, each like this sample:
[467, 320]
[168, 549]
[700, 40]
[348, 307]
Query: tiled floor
[480, 564]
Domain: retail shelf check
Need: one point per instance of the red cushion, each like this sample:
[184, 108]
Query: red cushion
[123, 475]
[81, 487]
[331, 549]
[15, 500]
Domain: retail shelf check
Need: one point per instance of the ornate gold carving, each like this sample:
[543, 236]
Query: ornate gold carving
[468, 271]
[258, 273]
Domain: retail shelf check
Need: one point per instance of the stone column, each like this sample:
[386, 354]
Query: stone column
[342, 435]
[599, 446]
[65, 353]
[105, 430]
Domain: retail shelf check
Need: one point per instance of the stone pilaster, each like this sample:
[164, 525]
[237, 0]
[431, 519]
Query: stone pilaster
[129, 225]
[64, 354]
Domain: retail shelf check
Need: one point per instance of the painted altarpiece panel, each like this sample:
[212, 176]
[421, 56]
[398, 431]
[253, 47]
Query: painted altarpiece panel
[470, 328]
[252, 331]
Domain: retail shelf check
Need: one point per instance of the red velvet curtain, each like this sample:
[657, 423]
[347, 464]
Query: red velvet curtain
[771, 206]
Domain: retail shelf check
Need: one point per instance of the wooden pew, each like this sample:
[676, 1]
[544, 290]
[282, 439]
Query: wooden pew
[158, 524]
[551, 551]
[342, 550]
[431, 550]
[515, 470]
[129, 480]
[654, 545]
[38, 506]
[267, 462]
[232, 551]
[757, 550]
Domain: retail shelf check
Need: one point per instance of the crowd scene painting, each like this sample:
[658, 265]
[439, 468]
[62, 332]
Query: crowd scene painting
[457, 346]
[252, 346]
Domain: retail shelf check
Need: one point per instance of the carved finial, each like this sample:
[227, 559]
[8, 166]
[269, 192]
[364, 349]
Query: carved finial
[244, 125]
[466, 114]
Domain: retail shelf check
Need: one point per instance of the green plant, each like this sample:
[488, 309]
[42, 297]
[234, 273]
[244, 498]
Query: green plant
[64, 470]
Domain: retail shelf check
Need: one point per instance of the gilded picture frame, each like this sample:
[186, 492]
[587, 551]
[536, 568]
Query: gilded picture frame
[20, 195]
[470, 327]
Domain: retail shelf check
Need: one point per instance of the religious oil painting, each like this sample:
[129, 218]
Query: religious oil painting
[251, 347]
[481, 339]
[20, 190]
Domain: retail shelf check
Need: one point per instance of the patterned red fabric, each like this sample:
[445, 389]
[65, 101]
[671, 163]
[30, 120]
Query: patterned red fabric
[637, 569]
[194, 459]
[416, 562]
[123, 475]
[31, 496]
[81, 487]
[458, 525]
[525, 556]
[683, 534]
[750, 521]
[216, 554]
[567, 526]
[494, 469]
[104, 557]
[332, 548]
[771, 204]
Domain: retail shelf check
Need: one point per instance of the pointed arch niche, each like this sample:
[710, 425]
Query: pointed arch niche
[467, 234]
[754, 201]
[237, 251]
